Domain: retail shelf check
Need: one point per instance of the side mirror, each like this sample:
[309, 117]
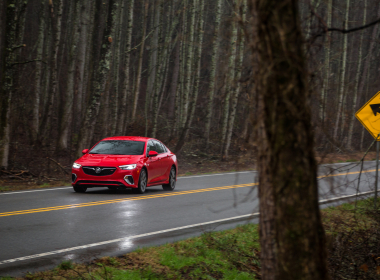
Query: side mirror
[85, 151]
[152, 154]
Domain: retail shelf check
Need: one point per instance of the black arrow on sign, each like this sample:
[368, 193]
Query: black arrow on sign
[375, 108]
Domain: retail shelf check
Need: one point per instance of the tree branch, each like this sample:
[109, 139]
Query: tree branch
[135, 47]
[353, 29]
[64, 170]
[17, 47]
[25, 62]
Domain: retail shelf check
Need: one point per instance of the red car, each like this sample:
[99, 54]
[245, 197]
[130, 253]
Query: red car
[125, 162]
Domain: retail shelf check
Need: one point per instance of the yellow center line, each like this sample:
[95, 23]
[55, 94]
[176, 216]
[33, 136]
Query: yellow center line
[103, 202]
[347, 173]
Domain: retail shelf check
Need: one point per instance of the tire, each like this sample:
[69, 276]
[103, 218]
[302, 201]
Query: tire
[172, 181]
[143, 179]
[80, 189]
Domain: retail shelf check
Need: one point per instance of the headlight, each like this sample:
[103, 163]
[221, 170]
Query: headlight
[127, 167]
[76, 165]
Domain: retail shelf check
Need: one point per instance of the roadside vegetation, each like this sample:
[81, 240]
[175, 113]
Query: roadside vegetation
[353, 242]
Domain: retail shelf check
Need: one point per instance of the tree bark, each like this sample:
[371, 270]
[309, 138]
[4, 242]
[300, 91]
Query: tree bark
[117, 107]
[343, 75]
[37, 85]
[214, 59]
[189, 60]
[139, 66]
[237, 85]
[7, 82]
[291, 233]
[357, 76]
[126, 83]
[55, 21]
[325, 86]
[230, 85]
[65, 119]
[197, 64]
[100, 77]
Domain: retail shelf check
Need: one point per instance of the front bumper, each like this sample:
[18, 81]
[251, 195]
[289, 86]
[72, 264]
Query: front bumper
[120, 178]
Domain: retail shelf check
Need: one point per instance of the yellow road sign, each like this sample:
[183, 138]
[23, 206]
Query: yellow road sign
[369, 116]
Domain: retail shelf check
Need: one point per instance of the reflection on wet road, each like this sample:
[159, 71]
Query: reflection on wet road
[41, 229]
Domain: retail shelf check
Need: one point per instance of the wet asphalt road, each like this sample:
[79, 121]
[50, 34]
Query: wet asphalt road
[40, 229]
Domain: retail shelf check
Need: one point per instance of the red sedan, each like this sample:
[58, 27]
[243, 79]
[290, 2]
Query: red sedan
[126, 162]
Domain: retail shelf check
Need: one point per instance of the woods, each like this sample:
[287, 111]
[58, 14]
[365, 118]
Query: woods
[74, 72]
[215, 77]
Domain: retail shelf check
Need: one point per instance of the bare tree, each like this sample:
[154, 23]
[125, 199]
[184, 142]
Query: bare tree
[7, 82]
[291, 233]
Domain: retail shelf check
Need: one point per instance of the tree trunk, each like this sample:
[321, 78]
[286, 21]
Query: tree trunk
[7, 82]
[197, 64]
[126, 86]
[214, 59]
[162, 74]
[116, 118]
[152, 60]
[325, 86]
[357, 76]
[189, 60]
[67, 104]
[158, 69]
[237, 87]
[37, 86]
[230, 85]
[139, 66]
[55, 21]
[100, 77]
[291, 233]
[343, 75]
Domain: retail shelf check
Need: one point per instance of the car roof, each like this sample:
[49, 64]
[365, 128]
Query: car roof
[131, 138]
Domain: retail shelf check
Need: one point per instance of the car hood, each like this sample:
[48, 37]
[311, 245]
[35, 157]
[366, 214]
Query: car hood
[107, 160]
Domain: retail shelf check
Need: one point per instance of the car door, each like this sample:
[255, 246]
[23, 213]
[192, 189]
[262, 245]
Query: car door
[160, 159]
[152, 164]
[165, 160]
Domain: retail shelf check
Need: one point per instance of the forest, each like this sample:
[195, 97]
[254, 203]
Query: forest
[76, 71]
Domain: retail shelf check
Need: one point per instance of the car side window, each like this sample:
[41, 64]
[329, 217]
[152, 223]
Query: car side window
[159, 148]
[164, 148]
[150, 147]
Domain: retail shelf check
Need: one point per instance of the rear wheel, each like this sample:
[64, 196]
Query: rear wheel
[143, 180]
[80, 189]
[172, 181]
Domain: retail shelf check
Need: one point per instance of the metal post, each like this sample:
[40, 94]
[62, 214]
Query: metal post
[377, 172]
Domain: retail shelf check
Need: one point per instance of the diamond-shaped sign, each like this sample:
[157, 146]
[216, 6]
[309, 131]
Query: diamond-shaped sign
[369, 116]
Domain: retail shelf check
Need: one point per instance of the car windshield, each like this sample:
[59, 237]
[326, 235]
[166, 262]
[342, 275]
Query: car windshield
[119, 147]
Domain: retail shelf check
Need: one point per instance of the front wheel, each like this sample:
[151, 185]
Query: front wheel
[80, 189]
[143, 180]
[172, 181]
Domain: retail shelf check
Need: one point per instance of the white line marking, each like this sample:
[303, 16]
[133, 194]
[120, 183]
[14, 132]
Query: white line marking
[217, 174]
[159, 232]
[344, 197]
[123, 239]
[44, 190]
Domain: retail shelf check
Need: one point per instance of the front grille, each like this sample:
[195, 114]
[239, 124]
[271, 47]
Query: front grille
[103, 183]
[98, 171]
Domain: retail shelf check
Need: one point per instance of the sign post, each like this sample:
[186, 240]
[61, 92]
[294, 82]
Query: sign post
[377, 173]
[369, 116]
